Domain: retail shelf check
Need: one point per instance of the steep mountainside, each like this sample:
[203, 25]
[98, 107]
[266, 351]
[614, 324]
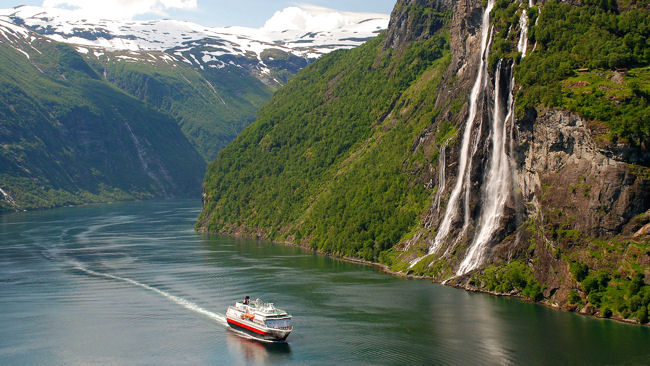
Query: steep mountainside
[69, 137]
[211, 105]
[211, 80]
[499, 146]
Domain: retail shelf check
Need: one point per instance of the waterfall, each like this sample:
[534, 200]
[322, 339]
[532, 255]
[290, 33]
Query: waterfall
[497, 186]
[522, 46]
[499, 175]
[441, 174]
[463, 174]
[7, 197]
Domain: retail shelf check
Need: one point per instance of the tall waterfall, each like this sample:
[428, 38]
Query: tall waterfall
[441, 174]
[464, 157]
[498, 186]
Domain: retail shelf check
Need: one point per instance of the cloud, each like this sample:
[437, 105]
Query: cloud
[312, 18]
[120, 9]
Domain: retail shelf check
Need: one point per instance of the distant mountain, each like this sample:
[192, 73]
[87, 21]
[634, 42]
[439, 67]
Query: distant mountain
[67, 136]
[87, 106]
[211, 80]
[289, 35]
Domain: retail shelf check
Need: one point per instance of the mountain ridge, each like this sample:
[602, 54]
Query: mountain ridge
[239, 68]
[217, 46]
[211, 85]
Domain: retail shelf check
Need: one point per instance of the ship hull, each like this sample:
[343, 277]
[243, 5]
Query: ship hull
[269, 335]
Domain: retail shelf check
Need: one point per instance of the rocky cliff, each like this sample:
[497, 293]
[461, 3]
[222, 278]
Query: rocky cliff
[503, 162]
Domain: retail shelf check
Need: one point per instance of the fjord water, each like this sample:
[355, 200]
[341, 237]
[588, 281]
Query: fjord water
[134, 284]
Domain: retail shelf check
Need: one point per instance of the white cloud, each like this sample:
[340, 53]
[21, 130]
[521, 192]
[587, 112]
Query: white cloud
[312, 18]
[120, 9]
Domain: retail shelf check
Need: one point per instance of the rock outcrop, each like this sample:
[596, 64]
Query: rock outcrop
[415, 20]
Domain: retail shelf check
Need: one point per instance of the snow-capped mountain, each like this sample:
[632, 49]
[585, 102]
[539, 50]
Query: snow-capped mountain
[294, 35]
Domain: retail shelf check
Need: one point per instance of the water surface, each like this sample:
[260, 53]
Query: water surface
[134, 284]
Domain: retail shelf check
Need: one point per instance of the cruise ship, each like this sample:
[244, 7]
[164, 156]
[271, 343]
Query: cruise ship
[260, 320]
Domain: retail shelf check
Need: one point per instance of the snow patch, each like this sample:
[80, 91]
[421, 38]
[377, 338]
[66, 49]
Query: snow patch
[127, 58]
[23, 52]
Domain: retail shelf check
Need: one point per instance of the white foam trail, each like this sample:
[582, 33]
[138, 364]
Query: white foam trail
[175, 299]
[452, 205]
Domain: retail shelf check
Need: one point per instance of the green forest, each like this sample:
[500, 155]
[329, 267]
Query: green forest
[323, 165]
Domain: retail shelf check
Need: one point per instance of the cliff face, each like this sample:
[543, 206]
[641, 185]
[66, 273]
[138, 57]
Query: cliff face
[552, 201]
[576, 196]
[415, 20]
[474, 169]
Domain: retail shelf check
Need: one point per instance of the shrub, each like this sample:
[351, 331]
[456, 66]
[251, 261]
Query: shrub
[607, 313]
[574, 298]
[642, 315]
[579, 271]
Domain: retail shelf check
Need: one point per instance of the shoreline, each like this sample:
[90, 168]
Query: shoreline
[384, 269]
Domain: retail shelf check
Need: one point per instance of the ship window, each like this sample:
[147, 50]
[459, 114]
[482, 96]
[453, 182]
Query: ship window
[278, 323]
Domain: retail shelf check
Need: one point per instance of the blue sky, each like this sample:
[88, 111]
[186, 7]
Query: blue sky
[251, 13]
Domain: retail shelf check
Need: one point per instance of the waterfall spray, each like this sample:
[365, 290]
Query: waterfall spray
[499, 176]
[441, 174]
[497, 187]
[452, 205]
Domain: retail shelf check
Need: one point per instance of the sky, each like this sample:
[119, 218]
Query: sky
[212, 13]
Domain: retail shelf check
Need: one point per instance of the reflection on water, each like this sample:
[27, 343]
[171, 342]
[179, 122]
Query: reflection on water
[252, 352]
[134, 284]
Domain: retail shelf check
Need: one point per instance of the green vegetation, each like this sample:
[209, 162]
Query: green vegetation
[627, 297]
[335, 160]
[324, 164]
[68, 137]
[579, 271]
[508, 278]
[596, 37]
[609, 274]
[505, 20]
[212, 106]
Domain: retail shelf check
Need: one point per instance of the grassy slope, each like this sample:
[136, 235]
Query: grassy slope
[64, 138]
[600, 37]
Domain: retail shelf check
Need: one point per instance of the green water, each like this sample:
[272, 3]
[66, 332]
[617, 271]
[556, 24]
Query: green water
[134, 284]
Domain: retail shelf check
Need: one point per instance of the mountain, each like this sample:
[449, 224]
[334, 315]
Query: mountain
[70, 137]
[211, 80]
[87, 104]
[497, 146]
